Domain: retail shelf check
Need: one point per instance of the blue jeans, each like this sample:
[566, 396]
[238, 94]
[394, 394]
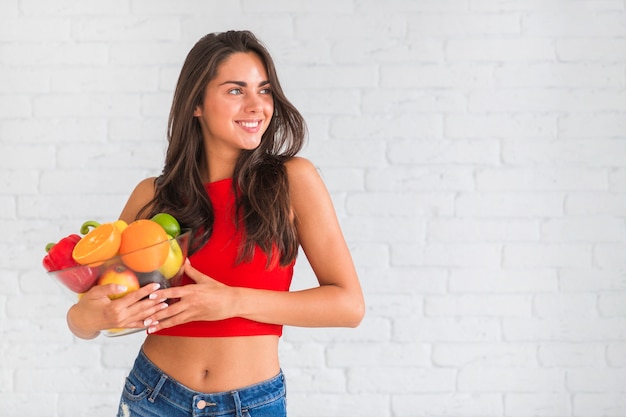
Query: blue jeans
[149, 392]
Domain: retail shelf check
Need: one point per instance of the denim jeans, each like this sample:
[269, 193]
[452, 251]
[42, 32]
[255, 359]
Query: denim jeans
[149, 392]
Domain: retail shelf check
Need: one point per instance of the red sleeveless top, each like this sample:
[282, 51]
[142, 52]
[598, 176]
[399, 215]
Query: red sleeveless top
[218, 259]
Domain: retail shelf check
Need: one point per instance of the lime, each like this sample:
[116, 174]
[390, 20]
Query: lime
[168, 223]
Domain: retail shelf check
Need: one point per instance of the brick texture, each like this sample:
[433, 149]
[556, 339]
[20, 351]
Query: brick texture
[475, 151]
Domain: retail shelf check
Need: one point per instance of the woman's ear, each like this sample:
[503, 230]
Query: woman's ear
[197, 112]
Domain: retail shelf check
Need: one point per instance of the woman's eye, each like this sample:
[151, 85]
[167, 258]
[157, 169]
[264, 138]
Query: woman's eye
[235, 91]
[266, 91]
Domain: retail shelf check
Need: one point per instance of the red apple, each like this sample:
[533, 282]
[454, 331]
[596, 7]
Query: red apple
[120, 275]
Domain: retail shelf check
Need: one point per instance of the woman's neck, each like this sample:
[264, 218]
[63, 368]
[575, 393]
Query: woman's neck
[218, 168]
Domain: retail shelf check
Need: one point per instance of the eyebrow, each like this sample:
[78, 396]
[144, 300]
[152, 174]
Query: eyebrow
[244, 84]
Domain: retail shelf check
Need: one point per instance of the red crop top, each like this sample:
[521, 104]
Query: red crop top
[217, 259]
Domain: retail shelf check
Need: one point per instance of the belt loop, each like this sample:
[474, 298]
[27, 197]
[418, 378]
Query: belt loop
[157, 389]
[237, 400]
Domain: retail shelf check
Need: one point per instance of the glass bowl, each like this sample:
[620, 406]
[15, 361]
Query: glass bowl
[149, 265]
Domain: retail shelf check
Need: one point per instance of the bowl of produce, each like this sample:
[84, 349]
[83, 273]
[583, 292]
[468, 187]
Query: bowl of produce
[133, 255]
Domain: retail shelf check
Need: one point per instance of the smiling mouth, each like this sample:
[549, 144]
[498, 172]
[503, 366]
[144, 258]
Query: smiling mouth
[250, 125]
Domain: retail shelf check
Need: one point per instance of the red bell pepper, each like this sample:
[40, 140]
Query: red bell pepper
[60, 254]
[59, 261]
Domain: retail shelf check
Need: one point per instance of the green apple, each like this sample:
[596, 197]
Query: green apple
[174, 260]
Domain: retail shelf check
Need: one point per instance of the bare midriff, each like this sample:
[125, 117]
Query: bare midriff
[216, 364]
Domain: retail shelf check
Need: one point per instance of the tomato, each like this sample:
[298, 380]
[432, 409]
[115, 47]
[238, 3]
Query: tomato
[168, 223]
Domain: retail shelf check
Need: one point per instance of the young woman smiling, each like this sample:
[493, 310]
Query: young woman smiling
[232, 175]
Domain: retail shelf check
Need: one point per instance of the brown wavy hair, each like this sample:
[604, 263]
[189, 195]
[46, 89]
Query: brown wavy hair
[259, 180]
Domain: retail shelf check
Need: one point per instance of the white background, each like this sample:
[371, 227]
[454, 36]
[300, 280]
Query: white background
[475, 151]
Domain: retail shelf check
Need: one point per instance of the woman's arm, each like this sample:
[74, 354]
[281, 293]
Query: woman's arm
[95, 311]
[141, 195]
[336, 302]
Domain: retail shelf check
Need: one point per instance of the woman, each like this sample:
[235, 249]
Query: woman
[232, 176]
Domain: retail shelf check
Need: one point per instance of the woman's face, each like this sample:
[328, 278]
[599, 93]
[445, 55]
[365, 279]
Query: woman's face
[238, 105]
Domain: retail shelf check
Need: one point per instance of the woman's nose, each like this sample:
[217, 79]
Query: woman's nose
[254, 104]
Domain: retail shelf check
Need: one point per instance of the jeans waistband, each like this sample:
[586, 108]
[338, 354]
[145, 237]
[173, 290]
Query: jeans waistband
[206, 403]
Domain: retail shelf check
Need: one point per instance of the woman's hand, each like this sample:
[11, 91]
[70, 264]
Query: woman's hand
[95, 311]
[208, 300]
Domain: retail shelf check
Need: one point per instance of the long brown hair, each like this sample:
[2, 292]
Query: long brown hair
[259, 180]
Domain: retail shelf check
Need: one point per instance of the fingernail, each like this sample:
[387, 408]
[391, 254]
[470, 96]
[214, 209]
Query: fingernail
[156, 286]
[122, 288]
[164, 305]
[147, 322]
[152, 296]
[152, 329]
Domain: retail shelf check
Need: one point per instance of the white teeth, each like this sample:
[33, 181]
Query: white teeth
[249, 124]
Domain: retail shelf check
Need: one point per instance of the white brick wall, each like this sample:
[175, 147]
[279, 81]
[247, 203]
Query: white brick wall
[475, 150]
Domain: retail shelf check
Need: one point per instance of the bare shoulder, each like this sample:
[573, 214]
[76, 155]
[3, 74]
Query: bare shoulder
[141, 195]
[145, 188]
[305, 181]
[300, 169]
[307, 191]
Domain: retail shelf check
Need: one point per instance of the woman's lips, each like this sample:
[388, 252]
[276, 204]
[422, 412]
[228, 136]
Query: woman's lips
[250, 125]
